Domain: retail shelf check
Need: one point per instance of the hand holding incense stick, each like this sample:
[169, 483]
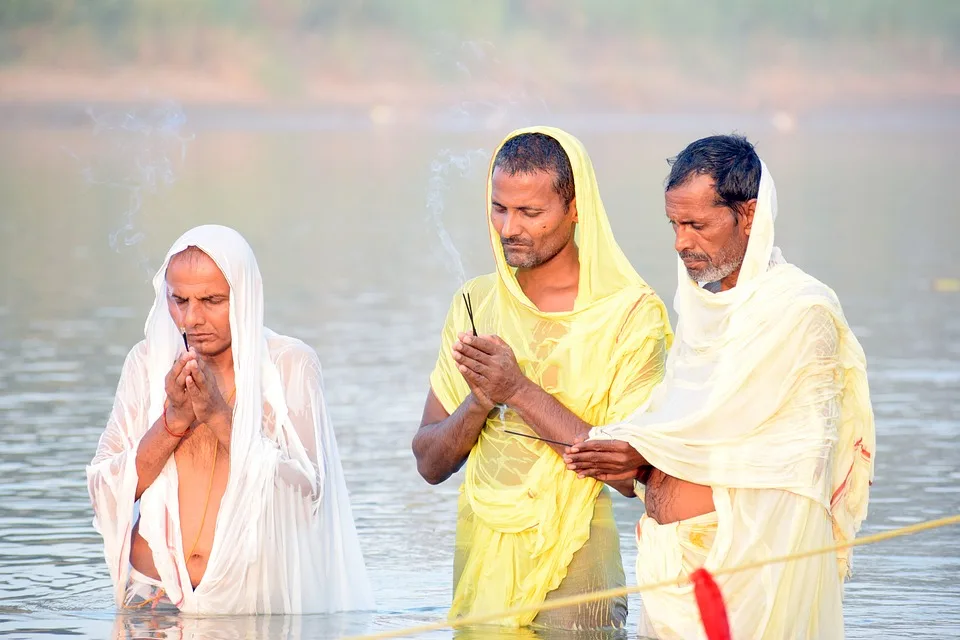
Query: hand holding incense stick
[527, 435]
[466, 300]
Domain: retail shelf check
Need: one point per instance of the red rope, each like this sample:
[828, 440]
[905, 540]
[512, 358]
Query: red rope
[713, 613]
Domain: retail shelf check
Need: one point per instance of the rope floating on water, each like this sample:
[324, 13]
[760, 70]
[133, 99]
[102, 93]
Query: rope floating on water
[582, 598]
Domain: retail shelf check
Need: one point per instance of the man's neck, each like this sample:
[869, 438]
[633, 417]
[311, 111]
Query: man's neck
[553, 285]
[730, 281]
[222, 366]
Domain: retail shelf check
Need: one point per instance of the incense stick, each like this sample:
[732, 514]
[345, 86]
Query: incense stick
[527, 435]
[466, 300]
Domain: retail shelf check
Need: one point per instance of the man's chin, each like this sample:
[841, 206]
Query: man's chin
[519, 260]
[210, 350]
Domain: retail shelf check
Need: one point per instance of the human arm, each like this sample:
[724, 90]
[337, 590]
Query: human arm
[443, 441]
[755, 427]
[306, 449]
[606, 460]
[112, 473]
[623, 482]
[488, 364]
[164, 435]
[641, 366]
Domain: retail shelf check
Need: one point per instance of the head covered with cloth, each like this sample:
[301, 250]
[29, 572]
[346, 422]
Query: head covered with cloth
[765, 400]
[284, 538]
[529, 530]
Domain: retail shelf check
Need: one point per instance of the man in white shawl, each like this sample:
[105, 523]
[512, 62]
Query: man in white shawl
[216, 485]
[759, 442]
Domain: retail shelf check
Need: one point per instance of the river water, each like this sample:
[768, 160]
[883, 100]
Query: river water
[353, 264]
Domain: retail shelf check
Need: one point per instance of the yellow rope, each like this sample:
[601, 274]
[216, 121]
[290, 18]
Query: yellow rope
[568, 601]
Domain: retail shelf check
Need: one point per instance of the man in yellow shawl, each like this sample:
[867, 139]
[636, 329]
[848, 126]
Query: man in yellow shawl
[760, 440]
[564, 324]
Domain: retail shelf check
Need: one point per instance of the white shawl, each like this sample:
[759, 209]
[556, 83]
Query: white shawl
[285, 540]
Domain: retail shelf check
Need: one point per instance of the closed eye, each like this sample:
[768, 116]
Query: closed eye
[697, 226]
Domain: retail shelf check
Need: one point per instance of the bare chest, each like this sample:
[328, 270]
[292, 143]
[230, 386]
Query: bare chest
[203, 468]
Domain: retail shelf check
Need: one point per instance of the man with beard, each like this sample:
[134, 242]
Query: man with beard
[759, 442]
[565, 324]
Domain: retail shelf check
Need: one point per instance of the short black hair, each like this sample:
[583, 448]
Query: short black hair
[533, 152]
[730, 160]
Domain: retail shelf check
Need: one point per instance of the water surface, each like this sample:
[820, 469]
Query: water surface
[352, 264]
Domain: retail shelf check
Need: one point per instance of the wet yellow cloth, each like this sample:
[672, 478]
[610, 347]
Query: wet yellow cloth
[523, 516]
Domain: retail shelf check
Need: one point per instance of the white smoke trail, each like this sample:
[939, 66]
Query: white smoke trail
[138, 153]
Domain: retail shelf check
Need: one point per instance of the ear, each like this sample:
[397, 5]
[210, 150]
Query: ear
[748, 210]
[572, 207]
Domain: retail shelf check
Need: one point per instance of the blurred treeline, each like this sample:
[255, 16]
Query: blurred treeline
[100, 31]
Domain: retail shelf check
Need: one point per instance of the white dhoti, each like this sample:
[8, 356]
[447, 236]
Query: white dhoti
[762, 602]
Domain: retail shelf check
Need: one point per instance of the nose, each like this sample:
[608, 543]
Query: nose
[684, 239]
[510, 226]
[192, 314]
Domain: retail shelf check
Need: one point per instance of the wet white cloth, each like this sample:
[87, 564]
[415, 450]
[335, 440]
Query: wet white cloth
[285, 540]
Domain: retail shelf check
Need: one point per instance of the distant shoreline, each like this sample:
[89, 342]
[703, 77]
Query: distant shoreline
[395, 77]
[932, 114]
[384, 83]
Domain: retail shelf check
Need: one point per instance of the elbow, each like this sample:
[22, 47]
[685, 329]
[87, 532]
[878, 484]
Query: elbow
[431, 464]
[427, 468]
[431, 475]
[429, 472]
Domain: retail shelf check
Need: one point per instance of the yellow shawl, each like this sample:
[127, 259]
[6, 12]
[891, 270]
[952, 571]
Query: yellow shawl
[522, 514]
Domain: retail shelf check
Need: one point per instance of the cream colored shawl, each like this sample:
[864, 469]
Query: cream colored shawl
[765, 388]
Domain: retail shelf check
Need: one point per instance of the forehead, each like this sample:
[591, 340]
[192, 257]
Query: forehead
[535, 186]
[696, 196]
[195, 269]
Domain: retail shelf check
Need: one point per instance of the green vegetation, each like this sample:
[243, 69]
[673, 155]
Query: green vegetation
[116, 26]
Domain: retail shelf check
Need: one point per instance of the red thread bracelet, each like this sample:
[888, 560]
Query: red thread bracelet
[167, 427]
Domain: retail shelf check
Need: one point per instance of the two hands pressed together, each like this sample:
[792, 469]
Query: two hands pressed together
[194, 398]
[490, 368]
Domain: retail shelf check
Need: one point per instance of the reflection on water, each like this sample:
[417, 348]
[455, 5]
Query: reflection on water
[353, 265]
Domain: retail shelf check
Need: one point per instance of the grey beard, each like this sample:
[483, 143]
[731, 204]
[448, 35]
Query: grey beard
[715, 273]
